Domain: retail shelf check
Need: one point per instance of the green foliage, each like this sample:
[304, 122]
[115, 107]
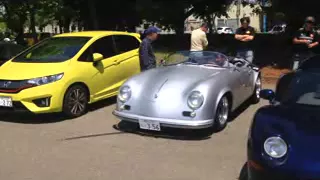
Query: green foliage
[15, 14]
[122, 14]
[169, 14]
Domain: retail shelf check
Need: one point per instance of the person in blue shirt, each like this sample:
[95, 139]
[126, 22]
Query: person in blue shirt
[146, 53]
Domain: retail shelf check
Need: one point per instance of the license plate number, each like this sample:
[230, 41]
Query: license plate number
[5, 102]
[149, 125]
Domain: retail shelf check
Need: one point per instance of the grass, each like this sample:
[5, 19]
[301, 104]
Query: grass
[160, 55]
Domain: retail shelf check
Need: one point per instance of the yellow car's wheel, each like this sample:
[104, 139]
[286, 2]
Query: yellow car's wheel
[75, 101]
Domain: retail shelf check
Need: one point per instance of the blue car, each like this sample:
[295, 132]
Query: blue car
[284, 137]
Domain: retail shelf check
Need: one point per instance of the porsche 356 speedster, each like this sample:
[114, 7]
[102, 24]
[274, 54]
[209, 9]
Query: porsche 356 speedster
[192, 90]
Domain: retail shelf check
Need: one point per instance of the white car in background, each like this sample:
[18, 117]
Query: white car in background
[225, 30]
[278, 29]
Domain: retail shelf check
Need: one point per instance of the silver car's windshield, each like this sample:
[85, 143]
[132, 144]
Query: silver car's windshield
[207, 58]
[304, 89]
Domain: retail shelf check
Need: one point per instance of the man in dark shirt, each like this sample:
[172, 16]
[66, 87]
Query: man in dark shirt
[244, 36]
[146, 54]
[305, 40]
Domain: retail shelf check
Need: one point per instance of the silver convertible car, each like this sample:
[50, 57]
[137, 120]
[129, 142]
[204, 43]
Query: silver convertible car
[193, 90]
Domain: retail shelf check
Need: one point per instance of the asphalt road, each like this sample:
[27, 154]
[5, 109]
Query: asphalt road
[90, 148]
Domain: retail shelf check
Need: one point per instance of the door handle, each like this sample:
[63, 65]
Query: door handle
[116, 62]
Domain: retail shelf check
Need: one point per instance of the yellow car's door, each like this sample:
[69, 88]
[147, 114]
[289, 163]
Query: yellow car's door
[104, 82]
[128, 48]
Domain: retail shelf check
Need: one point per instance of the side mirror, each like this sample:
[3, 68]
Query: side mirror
[97, 57]
[267, 94]
[28, 56]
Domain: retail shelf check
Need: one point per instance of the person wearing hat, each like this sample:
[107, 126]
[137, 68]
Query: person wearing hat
[199, 38]
[305, 40]
[146, 54]
[244, 36]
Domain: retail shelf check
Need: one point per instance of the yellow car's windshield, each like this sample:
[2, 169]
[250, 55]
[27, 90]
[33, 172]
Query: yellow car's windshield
[57, 49]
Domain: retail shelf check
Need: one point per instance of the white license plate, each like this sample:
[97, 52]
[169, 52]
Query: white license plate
[149, 125]
[5, 101]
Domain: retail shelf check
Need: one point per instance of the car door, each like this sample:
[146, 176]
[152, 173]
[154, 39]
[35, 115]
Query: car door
[103, 77]
[247, 74]
[240, 74]
[127, 47]
[237, 84]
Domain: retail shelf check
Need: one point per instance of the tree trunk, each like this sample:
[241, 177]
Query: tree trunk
[179, 29]
[60, 29]
[93, 14]
[33, 22]
[214, 22]
[209, 21]
[66, 25]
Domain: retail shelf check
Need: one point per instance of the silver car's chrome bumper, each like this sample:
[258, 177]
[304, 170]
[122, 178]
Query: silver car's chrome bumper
[173, 123]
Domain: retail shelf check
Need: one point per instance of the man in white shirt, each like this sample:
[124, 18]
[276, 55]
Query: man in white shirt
[199, 38]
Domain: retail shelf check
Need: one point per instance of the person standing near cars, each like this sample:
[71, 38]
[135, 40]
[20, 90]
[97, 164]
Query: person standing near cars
[305, 40]
[146, 53]
[199, 38]
[244, 36]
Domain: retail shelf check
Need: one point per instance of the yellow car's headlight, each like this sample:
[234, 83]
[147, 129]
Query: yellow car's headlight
[45, 80]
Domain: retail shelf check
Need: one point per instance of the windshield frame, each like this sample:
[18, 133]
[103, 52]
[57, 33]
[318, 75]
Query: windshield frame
[36, 46]
[288, 87]
[182, 62]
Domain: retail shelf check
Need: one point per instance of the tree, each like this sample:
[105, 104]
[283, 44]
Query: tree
[172, 14]
[169, 14]
[209, 10]
[15, 15]
[295, 10]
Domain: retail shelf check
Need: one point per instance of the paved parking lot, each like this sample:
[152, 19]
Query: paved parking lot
[89, 148]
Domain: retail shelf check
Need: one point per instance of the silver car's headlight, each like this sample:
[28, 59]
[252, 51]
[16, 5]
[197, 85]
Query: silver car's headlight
[45, 79]
[195, 100]
[275, 147]
[124, 93]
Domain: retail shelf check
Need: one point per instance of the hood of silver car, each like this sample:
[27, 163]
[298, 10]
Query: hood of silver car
[174, 81]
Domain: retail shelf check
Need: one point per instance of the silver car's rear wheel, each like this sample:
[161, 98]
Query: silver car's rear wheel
[222, 114]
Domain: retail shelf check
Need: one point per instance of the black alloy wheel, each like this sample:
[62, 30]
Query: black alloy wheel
[75, 103]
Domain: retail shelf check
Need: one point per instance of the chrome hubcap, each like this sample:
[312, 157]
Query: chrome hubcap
[223, 111]
[77, 101]
[258, 87]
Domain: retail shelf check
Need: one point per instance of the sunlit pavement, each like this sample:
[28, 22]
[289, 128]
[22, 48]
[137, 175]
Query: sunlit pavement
[90, 148]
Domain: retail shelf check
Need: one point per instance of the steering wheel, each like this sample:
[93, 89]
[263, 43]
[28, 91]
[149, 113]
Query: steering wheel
[238, 63]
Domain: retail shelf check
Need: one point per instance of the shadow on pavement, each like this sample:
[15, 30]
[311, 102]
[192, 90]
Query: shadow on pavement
[92, 136]
[102, 104]
[29, 118]
[167, 133]
[240, 110]
[244, 172]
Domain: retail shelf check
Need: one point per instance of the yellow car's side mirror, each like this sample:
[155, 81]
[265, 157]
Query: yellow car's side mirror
[28, 56]
[97, 57]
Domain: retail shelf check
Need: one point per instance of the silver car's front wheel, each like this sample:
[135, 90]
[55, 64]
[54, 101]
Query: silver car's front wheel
[222, 114]
[257, 88]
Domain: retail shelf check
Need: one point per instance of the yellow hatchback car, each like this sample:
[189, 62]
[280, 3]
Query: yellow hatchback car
[67, 72]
